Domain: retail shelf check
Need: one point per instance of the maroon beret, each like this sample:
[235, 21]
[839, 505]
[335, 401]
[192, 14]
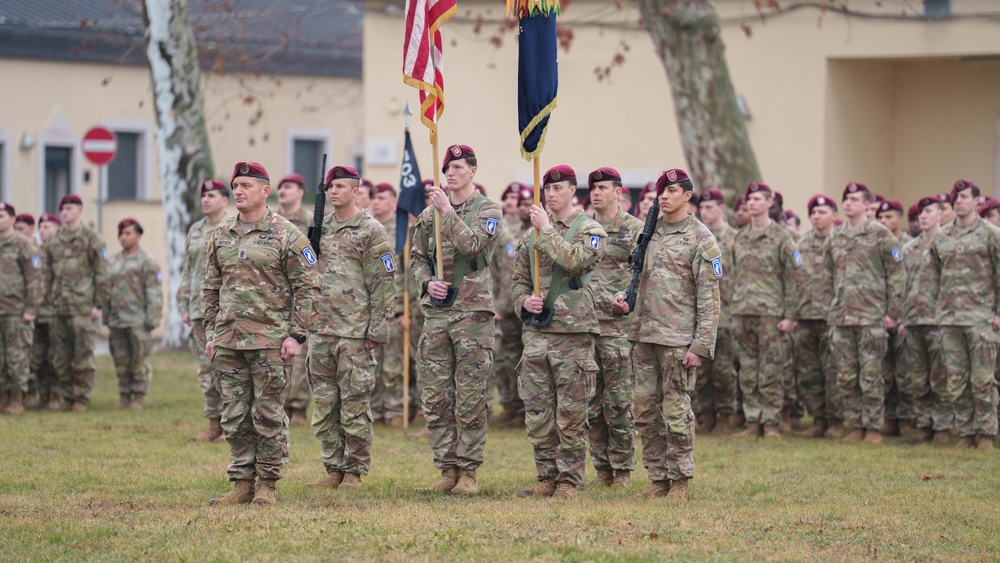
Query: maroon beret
[25, 218]
[213, 185]
[876, 198]
[297, 178]
[585, 202]
[788, 214]
[944, 198]
[712, 194]
[70, 198]
[8, 208]
[128, 222]
[512, 188]
[342, 172]
[525, 193]
[603, 174]
[817, 200]
[50, 218]
[365, 182]
[754, 187]
[779, 199]
[990, 203]
[890, 205]
[457, 152]
[740, 202]
[384, 187]
[649, 188]
[853, 188]
[958, 187]
[249, 170]
[560, 173]
[671, 177]
[926, 201]
[479, 188]
[914, 211]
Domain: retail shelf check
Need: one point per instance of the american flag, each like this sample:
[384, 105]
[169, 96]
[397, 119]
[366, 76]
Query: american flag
[423, 59]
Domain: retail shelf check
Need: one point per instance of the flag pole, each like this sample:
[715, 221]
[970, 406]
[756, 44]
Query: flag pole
[406, 302]
[437, 214]
[538, 202]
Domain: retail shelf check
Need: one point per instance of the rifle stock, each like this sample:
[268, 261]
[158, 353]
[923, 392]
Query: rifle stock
[319, 211]
[637, 259]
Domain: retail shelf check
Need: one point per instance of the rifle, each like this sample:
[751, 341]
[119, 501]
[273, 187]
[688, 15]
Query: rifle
[637, 259]
[319, 209]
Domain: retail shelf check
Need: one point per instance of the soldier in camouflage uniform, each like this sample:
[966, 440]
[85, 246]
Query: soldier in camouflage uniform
[291, 191]
[965, 281]
[20, 298]
[918, 328]
[354, 312]
[43, 378]
[456, 346]
[714, 399]
[814, 369]
[764, 306]
[76, 283]
[132, 313]
[557, 370]
[990, 211]
[190, 300]
[898, 408]
[863, 262]
[612, 428]
[260, 289]
[677, 316]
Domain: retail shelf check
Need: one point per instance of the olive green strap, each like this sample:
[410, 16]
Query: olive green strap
[558, 285]
[462, 264]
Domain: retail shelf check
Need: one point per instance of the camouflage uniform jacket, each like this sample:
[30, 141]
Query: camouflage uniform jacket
[20, 276]
[399, 275]
[765, 272]
[724, 237]
[965, 273]
[502, 270]
[136, 292]
[357, 288]
[815, 287]
[866, 272]
[76, 273]
[574, 309]
[190, 294]
[475, 292]
[613, 273]
[918, 306]
[678, 302]
[45, 311]
[302, 220]
[260, 286]
[904, 239]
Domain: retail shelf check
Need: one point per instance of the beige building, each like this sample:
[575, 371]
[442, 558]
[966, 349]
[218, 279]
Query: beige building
[906, 104]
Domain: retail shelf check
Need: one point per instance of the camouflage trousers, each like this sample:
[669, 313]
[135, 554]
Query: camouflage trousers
[252, 383]
[556, 381]
[456, 354]
[967, 357]
[342, 375]
[42, 379]
[899, 404]
[15, 341]
[505, 362]
[763, 353]
[297, 390]
[130, 348]
[206, 378]
[859, 352]
[913, 376]
[814, 369]
[663, 413]
[72, 349]
[387, 399]
[715, 388]
[612, 429]
[413, 388]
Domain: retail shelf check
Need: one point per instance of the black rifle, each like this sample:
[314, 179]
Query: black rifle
[316, 230]
[638, 257]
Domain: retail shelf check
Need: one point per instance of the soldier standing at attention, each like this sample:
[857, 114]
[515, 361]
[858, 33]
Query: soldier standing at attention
[990, 211]
[364, 198]
[647, 199]
[261, 287]
[291, 191]
[556, 379]
[76, 283]
[25, 224]
[191, 300]
[132, 313]
[948, 212]
[965, 279]
[387, 398]
[612, 428]
[890, 214]
[863, 261]
[354, 312]
[740, 215]
[21, 283]
[765, 303]
[43, 380]
[677, 311]
[456, 346]
[814, 371]
[714, 399]
[898, 407]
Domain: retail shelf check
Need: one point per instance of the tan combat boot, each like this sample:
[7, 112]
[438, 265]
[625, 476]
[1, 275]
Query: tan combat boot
[516, 421]
[890, 428]
[834, 429]
[541, 489]
[659, 489]
[136, 402]
[445, 483]
[4, 399]
[565, 490]
[817, 429]
[123, 400]
[466, 483]
[15, 402]
[907, 429]
[623, 478]
[786, 424]
[242, 493]
[395, 422]
[678, 491]
[855, 435]
[966, 442]
[78, 407]
[772, 432]
[724, 424]
[265, 492]
[984, 442]
[753, 430]
[298, 418]
[213, 432]
[920, 435]
[32, 402]
[706, 422]
[942, 437]
[351, 481]
[605, 477]
[873, 437]
[332, 480]
[55, 405]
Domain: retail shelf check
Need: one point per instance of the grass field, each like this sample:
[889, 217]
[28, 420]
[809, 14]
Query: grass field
[125, 485]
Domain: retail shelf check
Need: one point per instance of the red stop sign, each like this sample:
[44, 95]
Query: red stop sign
[100, 145]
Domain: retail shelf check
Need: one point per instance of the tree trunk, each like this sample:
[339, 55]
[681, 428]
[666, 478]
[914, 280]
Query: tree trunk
[687, 38]
[181, 137]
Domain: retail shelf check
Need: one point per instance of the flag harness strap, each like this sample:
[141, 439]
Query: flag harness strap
[463, 265]
[559, 284]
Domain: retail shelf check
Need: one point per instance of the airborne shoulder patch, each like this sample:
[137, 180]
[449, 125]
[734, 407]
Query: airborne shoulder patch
[511, 249]
[308, 254]
[896, 254]
[388, 263]
[797, 257]
[717, 267]
[491, 225]
[36, 262]
[595, 241]
[104, 253]
[159, 276]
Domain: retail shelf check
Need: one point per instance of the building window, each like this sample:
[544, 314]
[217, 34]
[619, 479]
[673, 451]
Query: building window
[937, 8]
[58, 170]
[307, 157]
[124, 172]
